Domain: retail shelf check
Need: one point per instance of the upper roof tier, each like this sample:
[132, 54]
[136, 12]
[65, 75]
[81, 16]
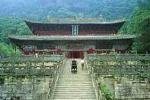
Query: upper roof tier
[77, 21]
[83, 26]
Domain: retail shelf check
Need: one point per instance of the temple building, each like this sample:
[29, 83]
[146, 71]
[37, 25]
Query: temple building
[73, 37]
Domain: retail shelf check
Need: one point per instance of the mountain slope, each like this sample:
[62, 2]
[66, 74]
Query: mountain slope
[42, 9]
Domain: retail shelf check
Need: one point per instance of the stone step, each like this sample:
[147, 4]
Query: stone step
[75, 76]
[69, 84]
[74, 86]
[74, 99]
[75, 96]
[78, 87]
[72, 83]
[75, 89]
[73, 92]
[74, 80]
[68, 90]
[78, 73]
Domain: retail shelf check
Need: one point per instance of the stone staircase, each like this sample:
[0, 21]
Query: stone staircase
[74, 86]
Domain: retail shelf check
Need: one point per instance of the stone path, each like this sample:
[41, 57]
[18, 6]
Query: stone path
[74, 86]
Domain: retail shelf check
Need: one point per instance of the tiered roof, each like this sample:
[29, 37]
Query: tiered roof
[57, 38]
[67, 21]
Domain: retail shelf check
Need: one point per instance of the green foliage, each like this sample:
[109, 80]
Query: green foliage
[10, 26]
[144, 4]
[145, 36]
[43, 9]
[139, 24]
[133, 26]
[7, 50]
[108, 95]
[2, 80]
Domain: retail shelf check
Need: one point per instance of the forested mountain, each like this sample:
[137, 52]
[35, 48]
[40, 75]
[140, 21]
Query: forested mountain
[14, 12]
[139, 24]
[43, 9]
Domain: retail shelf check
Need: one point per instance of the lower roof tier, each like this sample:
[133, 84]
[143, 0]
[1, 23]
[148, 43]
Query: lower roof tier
[70, 38]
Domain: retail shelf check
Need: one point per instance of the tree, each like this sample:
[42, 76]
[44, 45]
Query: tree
[139, 24]
[144, 38]
[10, 26]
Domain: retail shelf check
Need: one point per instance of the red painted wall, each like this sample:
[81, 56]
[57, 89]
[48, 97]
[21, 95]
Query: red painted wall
[95, 32]
[57, 32]
[75, 54]
[97, 29]
[82, 32]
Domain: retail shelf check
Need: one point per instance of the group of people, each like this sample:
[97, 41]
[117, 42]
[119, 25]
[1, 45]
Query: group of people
[82, 63]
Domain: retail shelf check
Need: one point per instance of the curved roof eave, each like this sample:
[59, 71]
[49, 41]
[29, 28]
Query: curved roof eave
[70, 38]
[78, 22]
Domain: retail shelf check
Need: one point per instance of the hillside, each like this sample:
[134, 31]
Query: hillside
[14, 12]
[43, 9]
[139, 24]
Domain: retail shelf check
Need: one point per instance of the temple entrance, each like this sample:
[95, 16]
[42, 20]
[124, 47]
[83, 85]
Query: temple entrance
[75, 54]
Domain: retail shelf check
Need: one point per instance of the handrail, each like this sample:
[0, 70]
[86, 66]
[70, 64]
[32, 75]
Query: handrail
[32, 58]
[95, 84]
[27, 68]
[53, 85]
[57, 78]
[117, 57]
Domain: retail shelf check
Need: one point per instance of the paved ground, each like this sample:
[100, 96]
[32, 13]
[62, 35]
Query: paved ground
[74, 86]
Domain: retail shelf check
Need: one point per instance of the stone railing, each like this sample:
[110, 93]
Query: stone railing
[33, 67]
[29, 65]
[99, 95]
[118, 57]
[119, 65]
[55, 79]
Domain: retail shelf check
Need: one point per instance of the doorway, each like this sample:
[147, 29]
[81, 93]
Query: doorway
[75, 54]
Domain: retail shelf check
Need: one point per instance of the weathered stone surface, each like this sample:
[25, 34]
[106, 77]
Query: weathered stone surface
[74, 86]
